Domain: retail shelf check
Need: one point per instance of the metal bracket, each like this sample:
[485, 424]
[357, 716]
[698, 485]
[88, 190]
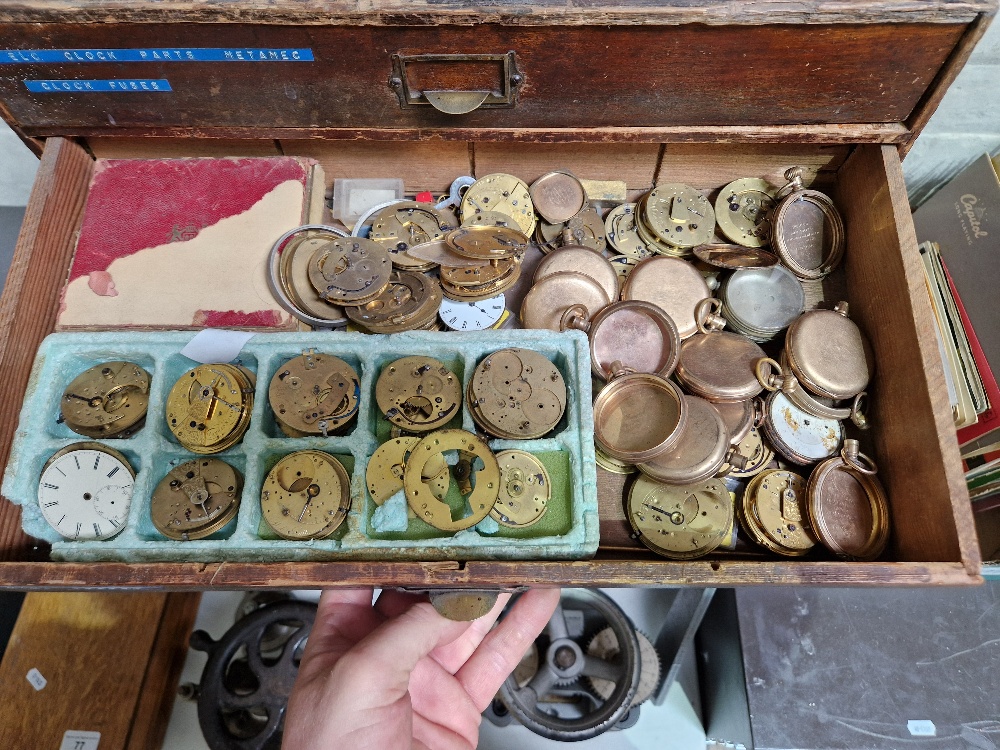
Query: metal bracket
[457, 101]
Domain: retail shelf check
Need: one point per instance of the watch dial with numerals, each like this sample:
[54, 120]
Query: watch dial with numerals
[85, 493]
[472, 316]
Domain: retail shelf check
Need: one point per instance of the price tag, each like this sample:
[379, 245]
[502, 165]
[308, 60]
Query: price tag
[77, 740]
[921, 728]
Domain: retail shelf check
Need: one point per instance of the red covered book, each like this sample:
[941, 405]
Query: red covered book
[183, 243]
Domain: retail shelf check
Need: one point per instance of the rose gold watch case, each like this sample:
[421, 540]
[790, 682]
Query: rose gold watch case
[720, 366]
[673, 285]
[638, 335]
[699, 453]
[638, 416]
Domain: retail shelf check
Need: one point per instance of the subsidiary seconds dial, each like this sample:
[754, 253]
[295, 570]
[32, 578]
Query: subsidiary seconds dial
[85, 491]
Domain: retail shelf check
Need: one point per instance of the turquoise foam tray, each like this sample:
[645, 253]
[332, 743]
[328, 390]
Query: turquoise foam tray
[153, 451]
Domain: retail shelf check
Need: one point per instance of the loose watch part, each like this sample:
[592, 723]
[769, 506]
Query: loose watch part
[585, 229]
[604, 646]
[472, 316]
[314, 394]
[848, 508]
[196, 499]
[807, 232]
[418, 393]
[613, 465]
[773, 512]
[402, 225]
[517, 394]
[681, 522]
[501, 193]
[760, 303]
[208, 408]
[679, 215]
[673, 285]
[558, 196]
[702, 449]
[108, 400]
[549, 299]
[638, 416]
[578, 259]
[467, 284]
[350, 270]
[734, 257]
[619, 225]
[525, 490]
[307, 495]
[384, 475]
[85, 491]
[439, 252]
[487, 242]
[828, 354]
[484, 489]
[623, 266]
[797, 435]
[635, 335]
[757, 452]
[743, 211]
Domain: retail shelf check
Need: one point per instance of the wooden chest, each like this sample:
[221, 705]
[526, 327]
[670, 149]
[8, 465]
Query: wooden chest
[681, 90]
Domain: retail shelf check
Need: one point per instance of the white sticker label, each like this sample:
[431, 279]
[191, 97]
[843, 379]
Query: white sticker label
[36, 679]
[921, 728]
[77, 740]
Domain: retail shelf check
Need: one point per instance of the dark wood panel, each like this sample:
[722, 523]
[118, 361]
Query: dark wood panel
[589, 77]
[488, 11]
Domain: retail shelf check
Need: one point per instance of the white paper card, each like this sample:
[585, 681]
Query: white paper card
[36, 679]
[921, 728]
[216, 345]
[77, 740]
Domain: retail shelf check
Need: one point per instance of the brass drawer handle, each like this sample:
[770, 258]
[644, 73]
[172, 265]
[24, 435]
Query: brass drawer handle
[430, 79]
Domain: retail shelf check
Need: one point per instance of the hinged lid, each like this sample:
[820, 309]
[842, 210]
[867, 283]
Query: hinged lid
[546, 70]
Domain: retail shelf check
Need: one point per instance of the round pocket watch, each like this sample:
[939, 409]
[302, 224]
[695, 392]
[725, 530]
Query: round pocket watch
[418, 394]
[673, 285]
[679, 215]
[760, 303]
[715, 364]
[635, 335]
[549, 299]
[828, 354]
[773, 513]
[638, 416]
[681, 522]
[208, 408]
[500, 193]
[798, 436]
[85, 491]
[314, 394]
[775, 376]
[743, 211]
[350, 270]
[847, 506]
[472, 316]
[108, 400]
[307, 495]
[517, 394]
[558, 196]
[525, 490]
[734, 257]
[807, 231]
[702, 449]
[484, 490]
[196, 499]
[580, 260]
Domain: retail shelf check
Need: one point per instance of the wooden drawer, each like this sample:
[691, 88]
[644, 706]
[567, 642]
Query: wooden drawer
[933, 539]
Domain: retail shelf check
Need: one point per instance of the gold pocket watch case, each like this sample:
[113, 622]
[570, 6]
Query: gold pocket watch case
[673, 285]
[807, 231]
[583, 260]
[638, 416]
[549, 299]
[196, 499]
[703, 447]
[558, 196]
[681, 522]
[108, 400]
[828, 354]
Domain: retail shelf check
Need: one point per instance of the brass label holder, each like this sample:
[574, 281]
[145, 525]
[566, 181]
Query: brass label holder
[457, 101]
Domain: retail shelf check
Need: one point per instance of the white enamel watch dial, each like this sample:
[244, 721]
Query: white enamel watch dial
[85, 491]
[472, 316]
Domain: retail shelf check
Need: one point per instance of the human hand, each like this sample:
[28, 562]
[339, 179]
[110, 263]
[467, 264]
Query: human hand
[397, 674]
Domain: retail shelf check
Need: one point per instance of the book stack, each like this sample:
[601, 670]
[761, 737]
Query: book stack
[959, 228]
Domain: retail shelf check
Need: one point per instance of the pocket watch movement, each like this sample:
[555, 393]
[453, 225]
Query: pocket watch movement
[807, 230]
[500, 193]
[619, 226]
[196, 499]
[409, 301]
[307, 495]
[673, 285]
[484, 242]
[418, 394]
[208, 408]
[773, 512]
[401, 225]
[679, 215]
[108, 400]
[85, 491]
[349, 270]
[288, 275]
[847, 506]
[525, 490]
[314, 394]
[743, 211]
[681, 522]
[798, 436]
[516, 394]
[757, 452]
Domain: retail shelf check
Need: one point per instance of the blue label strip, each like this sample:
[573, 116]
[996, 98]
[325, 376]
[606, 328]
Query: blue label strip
[118, 85]
[167, 54]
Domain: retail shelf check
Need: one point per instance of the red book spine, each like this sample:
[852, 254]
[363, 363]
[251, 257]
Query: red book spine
[989, 419]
